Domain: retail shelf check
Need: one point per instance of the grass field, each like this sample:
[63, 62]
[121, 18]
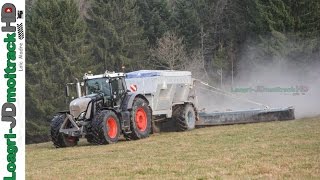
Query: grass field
[288, 149]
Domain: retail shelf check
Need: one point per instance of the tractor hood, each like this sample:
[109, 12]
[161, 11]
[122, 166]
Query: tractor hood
[79, 105]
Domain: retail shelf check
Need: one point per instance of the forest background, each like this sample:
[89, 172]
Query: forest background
[66, 38]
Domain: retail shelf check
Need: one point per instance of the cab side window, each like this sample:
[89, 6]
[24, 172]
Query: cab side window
[117, 87]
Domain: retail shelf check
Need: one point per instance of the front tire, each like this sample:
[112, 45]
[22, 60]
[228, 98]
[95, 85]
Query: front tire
[140, 120]
[89, 138]
[105, 128]
[60, 139]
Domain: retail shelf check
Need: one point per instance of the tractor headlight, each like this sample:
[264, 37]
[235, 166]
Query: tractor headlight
[81, 116]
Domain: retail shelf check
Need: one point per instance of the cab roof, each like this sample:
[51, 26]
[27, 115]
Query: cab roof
[107, 74]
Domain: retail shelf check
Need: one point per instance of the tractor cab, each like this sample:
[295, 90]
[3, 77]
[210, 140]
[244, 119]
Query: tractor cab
[111, 86]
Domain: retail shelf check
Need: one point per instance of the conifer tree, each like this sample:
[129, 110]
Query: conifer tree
[186, 23]
[116, 35]
[56, 53]
[154, 19]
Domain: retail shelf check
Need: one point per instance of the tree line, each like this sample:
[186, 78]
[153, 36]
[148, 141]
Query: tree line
[66, 38]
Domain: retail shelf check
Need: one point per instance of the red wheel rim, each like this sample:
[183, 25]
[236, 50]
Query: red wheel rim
[71, 139]
[112, 127]
[141, 119]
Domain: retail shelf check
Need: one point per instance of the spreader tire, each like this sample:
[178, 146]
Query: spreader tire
[105, 128]
[140, 120]
[184, 116]
[59, 139]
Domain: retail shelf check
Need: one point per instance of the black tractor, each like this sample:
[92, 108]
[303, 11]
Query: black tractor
[105, 110]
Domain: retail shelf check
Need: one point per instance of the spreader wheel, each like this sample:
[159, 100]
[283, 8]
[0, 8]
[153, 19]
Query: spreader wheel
[185, 117]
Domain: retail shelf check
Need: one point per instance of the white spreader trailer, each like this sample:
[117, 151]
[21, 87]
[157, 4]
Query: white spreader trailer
[163, 89]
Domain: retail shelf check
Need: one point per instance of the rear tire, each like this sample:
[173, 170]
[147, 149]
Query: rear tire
[105, 128]
[60, 139]
[140, 120]
[184, 116]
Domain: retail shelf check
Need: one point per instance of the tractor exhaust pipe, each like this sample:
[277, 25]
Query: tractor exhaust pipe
[78, 88]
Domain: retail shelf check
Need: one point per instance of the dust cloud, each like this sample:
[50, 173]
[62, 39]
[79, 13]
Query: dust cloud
[276, 83]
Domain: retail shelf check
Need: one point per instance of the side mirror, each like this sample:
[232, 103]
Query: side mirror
[67, 91]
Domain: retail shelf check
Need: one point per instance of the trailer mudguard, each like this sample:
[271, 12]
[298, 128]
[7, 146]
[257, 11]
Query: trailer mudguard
[128, 100]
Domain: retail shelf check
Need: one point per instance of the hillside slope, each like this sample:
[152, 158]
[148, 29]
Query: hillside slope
[289, 149]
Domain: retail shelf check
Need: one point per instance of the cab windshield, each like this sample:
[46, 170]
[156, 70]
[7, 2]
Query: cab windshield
[96, 86]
